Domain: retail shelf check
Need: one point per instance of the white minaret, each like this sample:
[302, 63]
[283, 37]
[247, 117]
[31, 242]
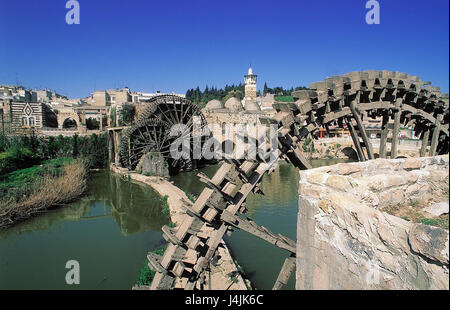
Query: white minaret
[250, 85]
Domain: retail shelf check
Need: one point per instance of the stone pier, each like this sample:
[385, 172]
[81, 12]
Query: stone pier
[374, 225]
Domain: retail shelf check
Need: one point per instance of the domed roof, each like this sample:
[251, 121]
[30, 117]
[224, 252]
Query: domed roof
[252, 106]
[214, 105]
[233, 104]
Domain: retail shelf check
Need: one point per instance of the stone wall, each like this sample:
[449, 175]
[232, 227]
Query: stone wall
[346, 241]
[344, 148]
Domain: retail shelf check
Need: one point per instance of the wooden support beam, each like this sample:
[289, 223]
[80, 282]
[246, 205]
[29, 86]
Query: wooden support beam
[362, 130]
[178, 269]
[299, 159]
[397, 114]
[169, 234]
[384, 134]
[355, 138]
[285, 273]
[154, 262]
[191, 225]
[425, 139]
[162, 282]
[213, 243]
[172, 253]
[256, 230]
[436, 133]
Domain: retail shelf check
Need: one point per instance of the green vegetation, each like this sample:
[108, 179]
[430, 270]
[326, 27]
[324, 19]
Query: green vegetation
[280, 91]
[306, 147]
[94, 124]
[146, 274]
[165, 208]
[126, 114]
[166, 211]
[200, 97]
[20, 183]
[432, 222]
[37, 173]
[413, 203]
[19, 152]
[412, 211]
[189, 196]
[16, 157]
[31, 191]
[112, 117]
[284, 98]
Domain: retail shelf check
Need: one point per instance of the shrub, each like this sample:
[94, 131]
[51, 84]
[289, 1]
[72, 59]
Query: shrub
[146, 275]
[17, 157]
[51, 189]
[127, 114]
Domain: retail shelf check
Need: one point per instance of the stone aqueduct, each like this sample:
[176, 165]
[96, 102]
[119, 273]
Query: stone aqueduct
[398, 98]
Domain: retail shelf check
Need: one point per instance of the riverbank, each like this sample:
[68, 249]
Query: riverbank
[32, 191]
[225, 275]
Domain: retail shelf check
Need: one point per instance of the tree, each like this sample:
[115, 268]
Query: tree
[265, 91]
[92, 124]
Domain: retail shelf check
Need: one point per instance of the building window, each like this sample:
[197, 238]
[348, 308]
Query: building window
[24, 121]
[31, 121]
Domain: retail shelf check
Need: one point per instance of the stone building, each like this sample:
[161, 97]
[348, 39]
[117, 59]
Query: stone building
[250, 80]
[236, 115]
[25, 114]
[111, 96]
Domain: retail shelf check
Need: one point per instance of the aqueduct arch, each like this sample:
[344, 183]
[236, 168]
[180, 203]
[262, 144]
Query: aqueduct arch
[64, 115]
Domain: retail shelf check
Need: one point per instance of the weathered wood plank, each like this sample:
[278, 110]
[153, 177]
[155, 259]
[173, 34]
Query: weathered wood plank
[384, 134]
[355, 138]
[285, 273]
[395, 132]
[436, 133]
[424, 146]
[362, 130]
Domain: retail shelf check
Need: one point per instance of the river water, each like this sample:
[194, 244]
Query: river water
[110, 230]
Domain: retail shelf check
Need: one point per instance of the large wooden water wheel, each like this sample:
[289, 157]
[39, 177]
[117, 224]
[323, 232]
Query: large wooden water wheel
[342, 101]
[165, 120]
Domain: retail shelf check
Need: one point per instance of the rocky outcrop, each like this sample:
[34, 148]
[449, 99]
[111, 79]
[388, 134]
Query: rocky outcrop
[153, 164]
[346, 241]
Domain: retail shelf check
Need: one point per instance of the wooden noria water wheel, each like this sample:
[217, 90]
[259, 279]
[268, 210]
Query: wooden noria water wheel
[165, 119]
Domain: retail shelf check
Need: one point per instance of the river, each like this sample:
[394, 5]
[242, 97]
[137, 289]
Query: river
[110, 230]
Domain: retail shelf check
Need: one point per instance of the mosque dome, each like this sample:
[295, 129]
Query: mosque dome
[233, 104]
[214, 105]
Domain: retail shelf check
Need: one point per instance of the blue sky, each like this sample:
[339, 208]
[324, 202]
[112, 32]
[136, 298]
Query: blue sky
[173, 45]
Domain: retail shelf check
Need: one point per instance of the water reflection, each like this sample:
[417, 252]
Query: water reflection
[133, 207]
[109, 231]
